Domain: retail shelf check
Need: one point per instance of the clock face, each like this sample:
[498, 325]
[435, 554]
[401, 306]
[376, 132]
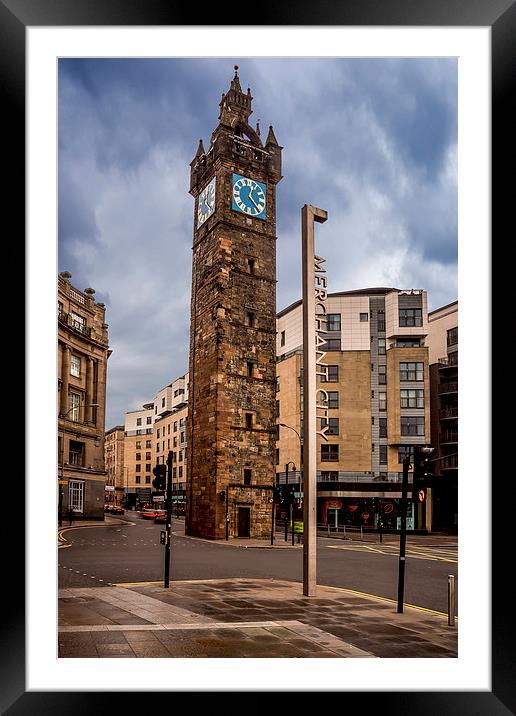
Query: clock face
[248, 196]
[206, 204]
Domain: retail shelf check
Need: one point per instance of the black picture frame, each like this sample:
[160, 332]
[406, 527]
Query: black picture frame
[15, 17]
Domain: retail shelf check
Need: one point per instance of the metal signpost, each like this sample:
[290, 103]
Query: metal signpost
[403, 532]
[312, 296]
[169, 519]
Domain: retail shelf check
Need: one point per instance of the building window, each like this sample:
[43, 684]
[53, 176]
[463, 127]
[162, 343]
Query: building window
[175, 426]
[174, 472]
[383, 427]
[148, 431]
[180, 456]
[333, 399]
[408, 343]
[247, 476]
[332, 374]
[78, 321]
[158, 433]
[329, 453]
[174, 444]
[410, 317]
[452, 337]
[403, 450]
[250, 266]
[162, 402]
[76, 495]
[364, 317]
[74, 407]
[138, 456]
[149, 420]
[250, 318]
[277, 456]
[147, 456]
[180, 471]
[138, 432]
[277, 383]
[332, 424]
[380, 321]
[250, 368]
[147, 467]
[382, 375]
[75, 366]
[157, 447]
[148, 444]
[138, 421]
[138, 444]
[277, 408]
[248, 421]
[147, 479]
[383, 454]
[137, 479]
[412, 399]
[382, 401]
[138, 468]
[412, 425]
[411, 371]
[381, 346]
[333, 321]
[76, 453]
[332, 344]
[282, 338]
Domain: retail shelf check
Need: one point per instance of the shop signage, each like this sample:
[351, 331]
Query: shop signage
[321, 294]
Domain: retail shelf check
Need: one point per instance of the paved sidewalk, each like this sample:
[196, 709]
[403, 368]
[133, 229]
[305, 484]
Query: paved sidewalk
[244, 618]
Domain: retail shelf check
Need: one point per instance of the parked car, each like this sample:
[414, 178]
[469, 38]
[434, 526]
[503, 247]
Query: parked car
[117, 510]
[161, 516]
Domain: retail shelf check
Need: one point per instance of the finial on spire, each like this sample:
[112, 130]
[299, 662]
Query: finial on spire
[236, 70]
[258, 127]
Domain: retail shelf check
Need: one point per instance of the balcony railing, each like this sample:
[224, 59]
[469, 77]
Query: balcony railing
[446, 413]
[449, 436]
[67, 320]
[451, 361]
[448, 388]
[450, 463]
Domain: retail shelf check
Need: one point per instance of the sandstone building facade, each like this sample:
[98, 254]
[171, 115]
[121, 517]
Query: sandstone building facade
[114, 461]
[230, 465]
[83, 353]
[377, 392]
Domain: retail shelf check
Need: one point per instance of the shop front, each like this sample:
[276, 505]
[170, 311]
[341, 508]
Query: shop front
[339, 512]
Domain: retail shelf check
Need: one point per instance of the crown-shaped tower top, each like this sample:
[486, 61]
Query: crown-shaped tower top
[235, 105]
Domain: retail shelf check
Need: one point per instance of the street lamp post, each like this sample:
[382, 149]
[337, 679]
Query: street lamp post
[62, 480]
[291, 501]
[284, 425]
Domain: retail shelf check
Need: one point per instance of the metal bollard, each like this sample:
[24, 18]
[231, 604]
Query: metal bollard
[451, 600]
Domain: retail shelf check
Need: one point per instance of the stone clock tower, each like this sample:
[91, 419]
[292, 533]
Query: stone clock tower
[231, 415]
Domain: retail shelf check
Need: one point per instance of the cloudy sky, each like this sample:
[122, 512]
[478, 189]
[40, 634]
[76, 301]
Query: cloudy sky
[372, 141]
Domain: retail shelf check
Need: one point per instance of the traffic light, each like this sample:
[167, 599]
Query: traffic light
[276, 495]
[160, 477]
[421, 472]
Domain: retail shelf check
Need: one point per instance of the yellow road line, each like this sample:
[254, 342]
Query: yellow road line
[386, 599]
[133, 584]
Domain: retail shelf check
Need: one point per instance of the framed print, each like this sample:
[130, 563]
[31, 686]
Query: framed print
[43, 51]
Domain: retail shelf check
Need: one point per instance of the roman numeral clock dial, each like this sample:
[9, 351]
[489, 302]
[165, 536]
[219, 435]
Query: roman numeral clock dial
[248, 196]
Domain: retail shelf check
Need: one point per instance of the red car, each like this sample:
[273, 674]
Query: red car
[161, 516]
[117, 510]
[149, 514]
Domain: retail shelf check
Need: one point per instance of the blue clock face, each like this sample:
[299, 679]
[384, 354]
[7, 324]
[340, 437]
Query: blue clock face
[248, 196]
[206, 204]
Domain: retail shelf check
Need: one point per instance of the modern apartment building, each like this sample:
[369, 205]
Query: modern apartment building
[138, 455]
[443, 339]
[150, 433]
[82, 356]
[377, 392]
[114, 461]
